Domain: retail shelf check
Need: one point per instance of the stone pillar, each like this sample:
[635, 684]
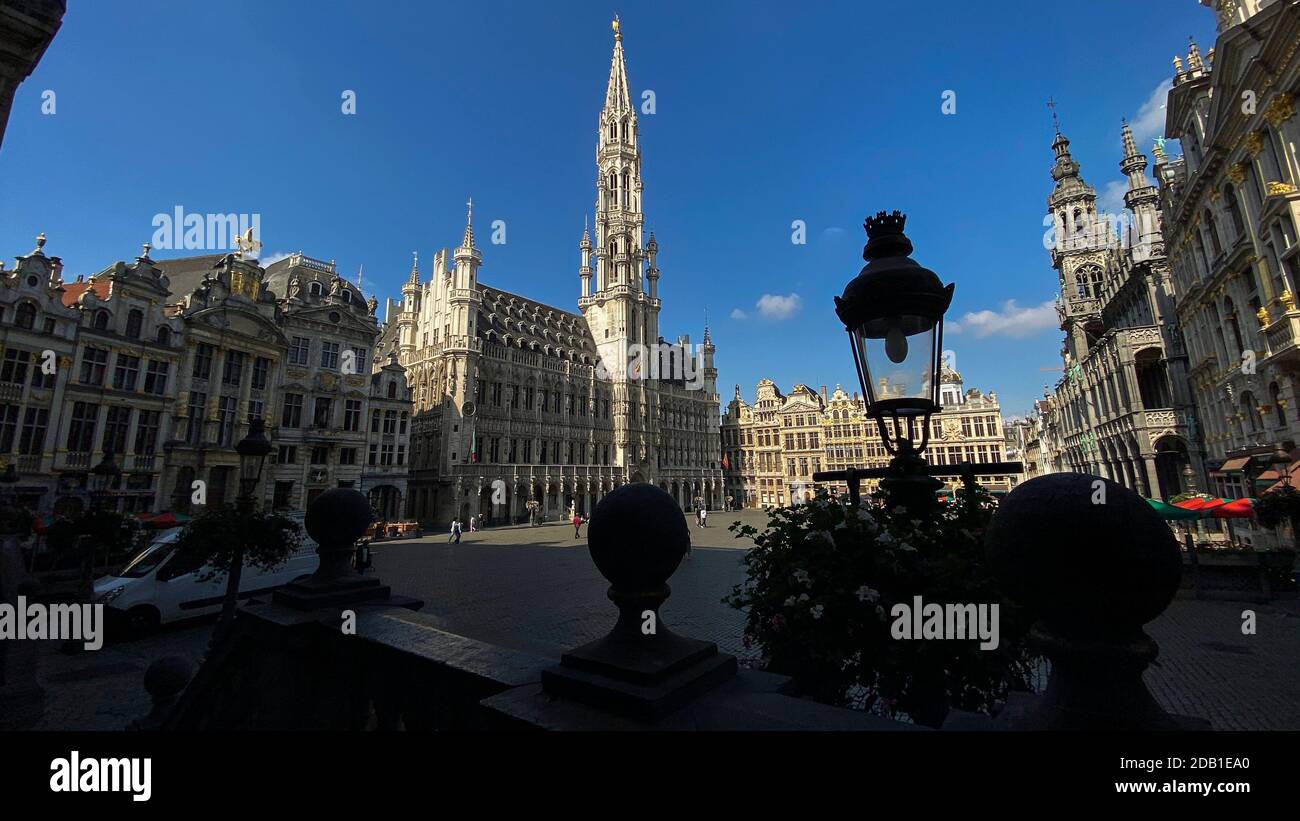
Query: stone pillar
[1149, 470]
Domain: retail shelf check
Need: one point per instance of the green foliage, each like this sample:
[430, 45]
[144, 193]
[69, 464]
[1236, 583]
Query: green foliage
[1182, 497]
[1280, 506]
[109, 535]
[218, 538]
[822, 582]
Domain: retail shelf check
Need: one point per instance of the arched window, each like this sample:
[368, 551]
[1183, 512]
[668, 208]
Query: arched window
[1234, 211]
[1230, 313]
[347, 295]
[134, 323]
[1213, 231]
[25, 316]
[1279, 412]
[314, 289]
[1250, 408]
[625, 190]
[101, 320]
[164, 335]
[625, 129]
[392, 389]
[613, 130]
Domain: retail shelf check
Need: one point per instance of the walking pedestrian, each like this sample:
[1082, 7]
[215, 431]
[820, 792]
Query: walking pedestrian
[473, 522]
[577, 525]
[454, 536]
[704, 517]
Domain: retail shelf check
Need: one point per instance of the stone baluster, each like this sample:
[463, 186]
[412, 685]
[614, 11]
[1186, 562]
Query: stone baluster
[1094, 563]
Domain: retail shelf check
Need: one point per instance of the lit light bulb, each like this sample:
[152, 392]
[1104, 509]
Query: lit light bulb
[896, 345]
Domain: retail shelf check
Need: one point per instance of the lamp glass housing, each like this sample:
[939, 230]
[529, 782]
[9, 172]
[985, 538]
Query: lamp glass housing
[897, 360]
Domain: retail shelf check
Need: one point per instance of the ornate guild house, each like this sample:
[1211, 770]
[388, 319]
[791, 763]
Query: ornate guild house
[522, 406]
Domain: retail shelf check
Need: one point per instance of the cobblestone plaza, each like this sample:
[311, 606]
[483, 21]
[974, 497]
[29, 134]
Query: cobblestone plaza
[535, 589]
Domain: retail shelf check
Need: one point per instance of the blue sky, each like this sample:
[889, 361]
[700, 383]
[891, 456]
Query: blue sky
[766, 113]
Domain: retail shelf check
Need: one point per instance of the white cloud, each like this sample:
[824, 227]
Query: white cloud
[1012, 321]
[1149, 122]
[736, 313]
[1111, 198]
[777, 307]
[269, 259]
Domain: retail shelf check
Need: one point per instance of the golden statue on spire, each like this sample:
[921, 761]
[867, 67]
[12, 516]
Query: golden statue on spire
[618, 34]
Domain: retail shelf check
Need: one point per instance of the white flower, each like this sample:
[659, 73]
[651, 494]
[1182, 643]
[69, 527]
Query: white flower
[817, 611]
[790, 602]
[802, 577]
[803, 597]
[866, 594]
[821, 536]
[885, 538]
[905, 546]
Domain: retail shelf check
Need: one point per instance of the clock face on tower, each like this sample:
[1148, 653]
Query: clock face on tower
[469, 407]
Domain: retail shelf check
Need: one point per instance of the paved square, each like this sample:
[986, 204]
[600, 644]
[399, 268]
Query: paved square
[536, 589]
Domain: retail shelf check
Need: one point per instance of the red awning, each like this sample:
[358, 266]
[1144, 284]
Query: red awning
[1236, 509]
[1201, 504]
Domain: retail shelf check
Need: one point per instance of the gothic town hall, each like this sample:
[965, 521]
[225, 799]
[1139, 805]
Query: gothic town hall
[523, 407]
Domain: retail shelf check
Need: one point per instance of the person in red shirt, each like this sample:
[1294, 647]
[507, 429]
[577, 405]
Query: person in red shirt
[577, 525]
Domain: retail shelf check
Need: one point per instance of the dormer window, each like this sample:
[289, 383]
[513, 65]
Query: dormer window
[25, 316]
[315, 289]
[164, 335]
[101, 320]
[134, 323]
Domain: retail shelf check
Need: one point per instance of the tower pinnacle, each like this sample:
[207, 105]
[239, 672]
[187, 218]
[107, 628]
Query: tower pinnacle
[468, 240]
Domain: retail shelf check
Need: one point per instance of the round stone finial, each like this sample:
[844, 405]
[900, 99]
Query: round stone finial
[1088, 556]
[637, 537]
[338, 516]
[167, 676]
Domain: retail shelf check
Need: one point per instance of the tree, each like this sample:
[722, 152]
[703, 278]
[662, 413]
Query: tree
[222, 541]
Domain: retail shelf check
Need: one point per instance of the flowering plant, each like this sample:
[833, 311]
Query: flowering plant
[824, 579]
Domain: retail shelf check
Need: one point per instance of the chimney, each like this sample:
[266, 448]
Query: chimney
[823, 393]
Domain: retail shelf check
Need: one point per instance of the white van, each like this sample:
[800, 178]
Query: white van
[159, 586]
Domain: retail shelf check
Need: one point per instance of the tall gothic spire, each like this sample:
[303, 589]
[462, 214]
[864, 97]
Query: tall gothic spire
[468, 240]
[617, 96]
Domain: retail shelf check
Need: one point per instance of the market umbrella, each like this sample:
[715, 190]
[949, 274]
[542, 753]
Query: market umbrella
[1236, 509]
[1200, 503]
[165, 520]
[1173, 512]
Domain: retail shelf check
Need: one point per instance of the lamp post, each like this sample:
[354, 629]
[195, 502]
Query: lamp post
[102, 478]
[252, 450]
[893, 313]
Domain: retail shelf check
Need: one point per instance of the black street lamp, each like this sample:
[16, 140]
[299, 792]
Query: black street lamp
[893, 312]
[252, 450]
[103, 477]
